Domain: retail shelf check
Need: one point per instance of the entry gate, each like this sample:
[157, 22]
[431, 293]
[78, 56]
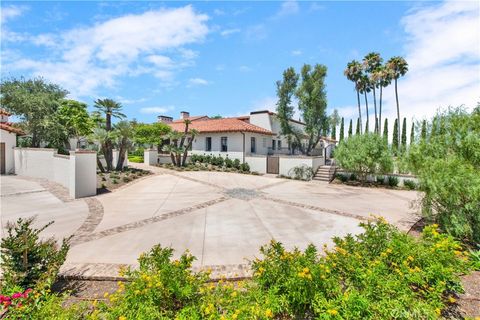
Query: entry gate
[273, 165]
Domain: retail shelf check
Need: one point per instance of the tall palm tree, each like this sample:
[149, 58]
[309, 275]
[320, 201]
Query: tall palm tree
[353, 72]
[365, 86]
[383, 78]
[101, 137]
[371, 63]
[397, 67]
[110, 108]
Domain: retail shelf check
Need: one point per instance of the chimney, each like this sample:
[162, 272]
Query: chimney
[164, 119]
[184, 114]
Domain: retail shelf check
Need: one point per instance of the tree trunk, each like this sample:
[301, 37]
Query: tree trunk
[109, 145]
[380, 111]
[100, 165]
[121, 156]
[172, 156]
[366, 107]
[398, 112]
[359, 111]
[375, 107]
[185, 153]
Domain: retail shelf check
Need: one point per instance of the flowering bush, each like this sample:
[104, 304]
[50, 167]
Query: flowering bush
[28, 261]
[380, 274]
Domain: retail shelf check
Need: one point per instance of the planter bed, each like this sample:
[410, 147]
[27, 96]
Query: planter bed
[109, 181]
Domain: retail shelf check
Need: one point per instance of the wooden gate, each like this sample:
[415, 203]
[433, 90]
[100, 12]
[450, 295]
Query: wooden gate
[273, 165]
[2, 158]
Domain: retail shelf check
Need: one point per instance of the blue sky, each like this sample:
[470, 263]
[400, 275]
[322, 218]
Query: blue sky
[224, 57]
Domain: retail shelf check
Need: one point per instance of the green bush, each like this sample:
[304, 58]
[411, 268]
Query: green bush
[382, 273]
[28, 261]
[410, 184]
[353, 177]
[245, 167]
[342, 177]
[114, 181]
[126, 179]
[380, 179]
[229, 163]
[392, 181]
[364, 155]
[236, 164]
[136, 159]
[302, 172]
[447, 163]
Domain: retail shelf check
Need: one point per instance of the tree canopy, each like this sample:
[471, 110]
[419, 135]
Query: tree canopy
[308, 88]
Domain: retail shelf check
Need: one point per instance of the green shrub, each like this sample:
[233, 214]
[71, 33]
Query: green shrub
[302, 172]
[28, 261]
[136, 159]
[364, 155]
[229, 163]
[103, 186]
[342, 177]
[410, 184]
[126, 179]
[447, 164]
[236, 164]
[353, 177]
[245, 167]
[392, 181]
[115, 181]
[380, 179]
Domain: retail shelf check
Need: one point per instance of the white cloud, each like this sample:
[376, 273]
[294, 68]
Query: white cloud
[288, 7]
[10, 12]
[443, 53]
[296, 52]
[197, 82]
[256, 32]
[228, 32]
[150, 110]
[245, 69]
[219, 12]
[86, 59]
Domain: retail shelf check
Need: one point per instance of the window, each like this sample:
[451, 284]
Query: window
[274, 144]
[279, 144]
[253, 147]
[224, 144]
[208, 144]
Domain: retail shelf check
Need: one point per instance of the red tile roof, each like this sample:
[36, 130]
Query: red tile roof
[4, 112]
[192, 118]
[7, 126]
[220, 125]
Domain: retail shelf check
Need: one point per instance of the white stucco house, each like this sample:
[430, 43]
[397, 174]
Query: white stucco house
[255, 138]
[8, 141]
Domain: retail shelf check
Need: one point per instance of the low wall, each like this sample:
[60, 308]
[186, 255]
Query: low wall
[287, 163]
[257, 164]
[76, 172]
[372, 178]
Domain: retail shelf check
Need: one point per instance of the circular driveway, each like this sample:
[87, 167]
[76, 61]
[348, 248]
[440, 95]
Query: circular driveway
[222, 218]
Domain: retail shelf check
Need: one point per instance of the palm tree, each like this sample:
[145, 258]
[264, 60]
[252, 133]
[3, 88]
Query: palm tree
[124, 134]
[397, 67]
[383, 78]
[365, 86]
[372, 62]
[111, 109]
[180, 143]
[353, 72]
[101, 137]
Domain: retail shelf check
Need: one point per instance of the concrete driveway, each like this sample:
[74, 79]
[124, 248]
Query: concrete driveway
[222, 218]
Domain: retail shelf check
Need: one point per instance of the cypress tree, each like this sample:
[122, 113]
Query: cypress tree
[395, 137]
[357, 131]
[385, 131]
[366, 127]
[404, 134]
[412, 134]
[376, 126]
[342, 129]
[350, 130]
[334, 132]
[423, 133]
[433, 133]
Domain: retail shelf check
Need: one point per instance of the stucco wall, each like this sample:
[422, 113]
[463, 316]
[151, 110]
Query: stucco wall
[257, 163]
[287, 163]
[10, 140]
[76, 172]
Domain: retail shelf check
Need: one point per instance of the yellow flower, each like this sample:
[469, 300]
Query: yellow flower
[438, 311]
[451, 299]
[105, 294]
[389, 250]
[122, 318]
[332, 312]
[137, 292]
[269, 313]
[306, 270]
[410, 258]
[234, 294]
